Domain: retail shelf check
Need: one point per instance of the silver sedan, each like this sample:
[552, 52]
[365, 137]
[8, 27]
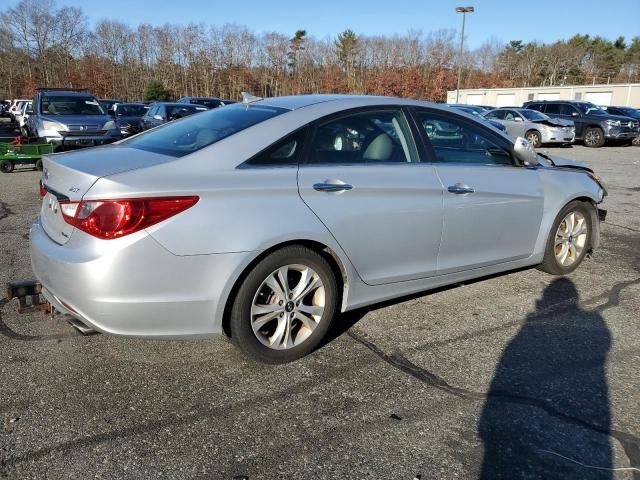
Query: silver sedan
[535, 126]
[265, 219]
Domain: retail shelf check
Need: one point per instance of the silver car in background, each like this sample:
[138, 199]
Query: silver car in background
[265, 219]
[535, 126]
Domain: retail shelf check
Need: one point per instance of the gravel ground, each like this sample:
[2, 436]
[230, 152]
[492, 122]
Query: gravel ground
[520, 375]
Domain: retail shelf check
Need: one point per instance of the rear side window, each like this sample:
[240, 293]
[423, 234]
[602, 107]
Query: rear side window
[198, 131]
[536, 106]
[284, 152]
[372, 136]
[555, 109]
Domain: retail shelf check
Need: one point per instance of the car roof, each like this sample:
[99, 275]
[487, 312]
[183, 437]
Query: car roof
[201, 98]
[176, 104]
[65, 93]
[295, 102]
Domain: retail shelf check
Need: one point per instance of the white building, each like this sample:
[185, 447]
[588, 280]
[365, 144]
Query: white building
[619, 94]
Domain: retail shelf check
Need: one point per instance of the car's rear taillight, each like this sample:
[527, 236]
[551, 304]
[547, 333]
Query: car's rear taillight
[43, 190]
[108, 219]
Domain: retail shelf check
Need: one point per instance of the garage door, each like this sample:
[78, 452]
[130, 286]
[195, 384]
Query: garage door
[474, 99]
[506, 100]
[599, 98]
[548, 96]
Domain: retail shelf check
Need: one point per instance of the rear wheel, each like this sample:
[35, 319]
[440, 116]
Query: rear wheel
[285, 306]
[569, 240]
[39, 164]
[594, 137]
[6, 166]
[534, 138]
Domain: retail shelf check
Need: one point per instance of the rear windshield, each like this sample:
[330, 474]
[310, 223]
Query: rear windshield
[189, 135]
[132, 110]
[207, 102]
[175, 112]
[72, 105]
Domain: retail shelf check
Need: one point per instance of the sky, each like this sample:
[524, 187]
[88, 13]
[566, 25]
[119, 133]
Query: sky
[542, 20]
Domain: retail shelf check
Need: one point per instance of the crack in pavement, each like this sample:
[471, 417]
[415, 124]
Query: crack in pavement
[5, 210]
[629, 442]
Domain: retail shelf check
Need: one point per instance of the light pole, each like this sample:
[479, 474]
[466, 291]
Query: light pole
[463, 11]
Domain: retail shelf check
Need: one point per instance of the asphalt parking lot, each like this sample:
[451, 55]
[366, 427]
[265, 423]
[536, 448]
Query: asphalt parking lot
[521, 375]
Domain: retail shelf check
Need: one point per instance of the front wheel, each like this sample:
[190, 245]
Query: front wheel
[594, 138]
[534, 138]
[569, 240]
[285, 306]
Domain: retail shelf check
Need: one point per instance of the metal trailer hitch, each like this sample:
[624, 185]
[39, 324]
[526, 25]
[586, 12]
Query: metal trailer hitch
[30, 299]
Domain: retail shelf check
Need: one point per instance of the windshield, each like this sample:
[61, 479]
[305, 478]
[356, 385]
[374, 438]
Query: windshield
[533, 114]
[131, 110]
[207, 102]
[72, 105]
[179, 111]
[591, 109]
[191, 134]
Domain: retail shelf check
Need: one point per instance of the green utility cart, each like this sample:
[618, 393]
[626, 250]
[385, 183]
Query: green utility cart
[12, 154]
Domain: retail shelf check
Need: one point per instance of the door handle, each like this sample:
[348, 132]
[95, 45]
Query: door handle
[331, 187]
[460, 188]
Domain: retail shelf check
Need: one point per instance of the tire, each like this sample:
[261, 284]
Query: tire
[39, 165]
[6, 166]
[534, 138]
[303, 336]
[552, 262]
[594, 137]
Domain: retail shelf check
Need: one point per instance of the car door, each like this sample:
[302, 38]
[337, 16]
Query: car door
[492, 206]
[363, 178]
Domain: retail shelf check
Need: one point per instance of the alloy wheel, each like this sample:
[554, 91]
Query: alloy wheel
[287, 306]
[571, 238]
[592, 137]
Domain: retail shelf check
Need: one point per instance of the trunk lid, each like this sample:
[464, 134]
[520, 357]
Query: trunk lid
[68, 176]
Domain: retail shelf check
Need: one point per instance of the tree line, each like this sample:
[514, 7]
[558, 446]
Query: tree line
[46, 45]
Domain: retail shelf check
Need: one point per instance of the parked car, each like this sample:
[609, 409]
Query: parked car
[594, 126]
[479, 116]
[20, 111]
[128, 117]
[70, 118]
[209, 102]
[624, 111]
[107, 104]
[14, 106]
[476, 108]
[4, 107]
[160, 113]
[22, 116]
[535, 126]
[265, 218]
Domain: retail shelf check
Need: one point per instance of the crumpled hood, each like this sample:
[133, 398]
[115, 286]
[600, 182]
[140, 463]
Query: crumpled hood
[562, 162]
[555, 122]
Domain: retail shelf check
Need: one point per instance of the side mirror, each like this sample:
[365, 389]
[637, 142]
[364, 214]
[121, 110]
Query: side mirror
[574, 114]
[517, 119]
[157, 117]
[525, 152]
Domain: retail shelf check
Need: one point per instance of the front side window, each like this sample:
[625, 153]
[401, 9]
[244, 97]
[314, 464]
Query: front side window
[371, 136]
[554, 109]
[510, 115]
[131, 110]
[456, 141]
[71, 105]
[195, 132]
[495, 115]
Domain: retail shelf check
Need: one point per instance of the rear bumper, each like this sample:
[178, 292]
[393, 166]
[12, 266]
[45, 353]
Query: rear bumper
[133, 286]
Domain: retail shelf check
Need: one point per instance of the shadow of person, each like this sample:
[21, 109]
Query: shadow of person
[548, 408]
